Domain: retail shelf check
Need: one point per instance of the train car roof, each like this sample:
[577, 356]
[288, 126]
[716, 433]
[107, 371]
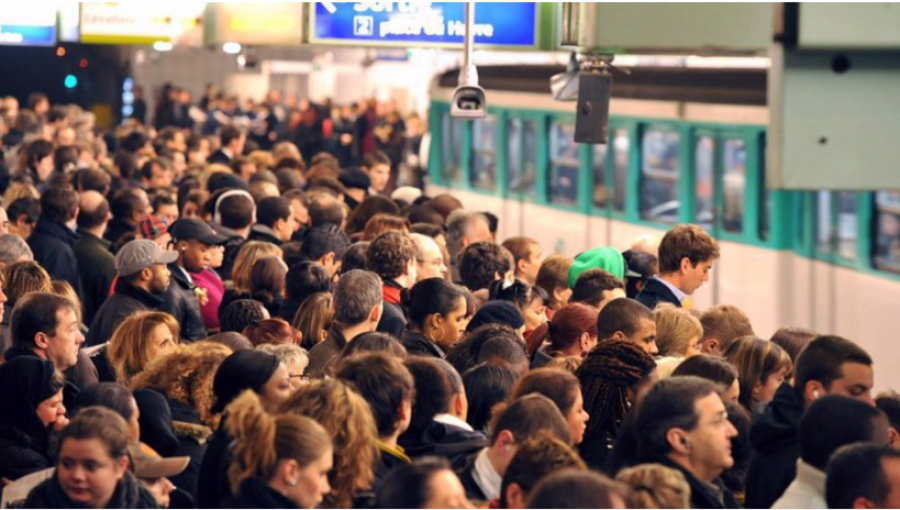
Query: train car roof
[740, 86]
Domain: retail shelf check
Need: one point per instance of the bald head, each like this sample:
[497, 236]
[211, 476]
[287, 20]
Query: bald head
[429, 257]
[93, 211]
[325, 209]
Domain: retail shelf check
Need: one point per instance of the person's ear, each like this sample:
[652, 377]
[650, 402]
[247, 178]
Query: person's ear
[585, 342]
[678, 441]
[146, 274]
[620, 336]
[41, 341]
[515, 496]
[685, 264]
[520, 265]
[375, 313]
[711, 347]
[328, 259]
[121, 466]
[862, 503]
[813, 391]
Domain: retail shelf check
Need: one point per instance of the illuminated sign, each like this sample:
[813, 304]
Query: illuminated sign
[139, 23]
[251, 23]
[511, 24]
[34, 25]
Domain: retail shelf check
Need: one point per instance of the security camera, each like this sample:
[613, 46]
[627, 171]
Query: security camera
[468, 102]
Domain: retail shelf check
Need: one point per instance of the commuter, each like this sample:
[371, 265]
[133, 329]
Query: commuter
[381, 223]
[234, 213]
[184, 378]
[629, 321]
[793, 340]
[326, 246]
[129, 207]
[314, 319]
[247, 255]
[828, 365]
[714, 369]
[233, 140]
[426, 483]
[357, 310]
[271, 332]
[486, 386]
[531, 301]
[527, 256]
[564, 390]
[480, 264]
[137, 341]
[686, 255]
[23, 216]
[356, 182]
[240, 314]
[553, 277]
[889, 403]
[762, 367]
[571, 332]
[95, 442]
[96, 264]
[326, 209]
[656, 486]
[523, 419]
[53, 238]
[577, 488]
[596, 288]
[268, 279]
[303, 280]
[829, 423]
[678, 335]
[611, 377]
[438, 425]
[722, 325]
[644, 265]
[355, 257]
[535, 459]
[194, 243]
[463, 229]
[347, 418]
[366, 210]
[19, 279]
[429, 259]
[682, 424]
[388, 387]
[863, 475]
[31, 398]
[392, 256]
[437, 311]
[252, 370]
[274, 221]
[492, 343]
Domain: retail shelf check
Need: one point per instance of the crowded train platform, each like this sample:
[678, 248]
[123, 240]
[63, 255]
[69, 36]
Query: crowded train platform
[271, 299]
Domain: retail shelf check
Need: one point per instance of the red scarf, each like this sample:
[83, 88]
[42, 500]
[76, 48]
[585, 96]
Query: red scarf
[391, 294]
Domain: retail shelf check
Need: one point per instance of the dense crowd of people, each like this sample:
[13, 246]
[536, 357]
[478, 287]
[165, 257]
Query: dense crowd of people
[195, 317]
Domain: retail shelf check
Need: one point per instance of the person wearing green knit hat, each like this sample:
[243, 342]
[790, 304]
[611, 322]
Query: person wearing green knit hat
[605, 258]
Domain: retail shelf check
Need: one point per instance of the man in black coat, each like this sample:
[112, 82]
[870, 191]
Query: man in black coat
[392, 256]
[142, 279]
[233, 140]
[53, 237]
[95, 262]
[194, 242]
[686, 255]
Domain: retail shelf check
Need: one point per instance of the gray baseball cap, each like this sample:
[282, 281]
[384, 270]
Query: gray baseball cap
[139, 254]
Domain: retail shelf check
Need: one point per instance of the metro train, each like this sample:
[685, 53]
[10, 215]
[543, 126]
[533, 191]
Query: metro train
[685, 145]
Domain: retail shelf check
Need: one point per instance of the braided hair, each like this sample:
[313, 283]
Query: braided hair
[606, 375]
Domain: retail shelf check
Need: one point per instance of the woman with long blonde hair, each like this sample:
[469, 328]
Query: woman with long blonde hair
[348, 418]
[246, 257]
[279, 460]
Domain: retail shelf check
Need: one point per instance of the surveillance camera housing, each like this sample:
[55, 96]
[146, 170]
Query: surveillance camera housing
[468, 102]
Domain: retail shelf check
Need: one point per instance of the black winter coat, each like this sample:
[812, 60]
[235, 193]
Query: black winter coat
[418, 345]
[52, 246]
[775, 438]
[213, 478]
[655, 292]
[393, 320]
[193, 437]
[255, 494]
[126, 301]
[180, 300]
[443, 440]
[129, 494]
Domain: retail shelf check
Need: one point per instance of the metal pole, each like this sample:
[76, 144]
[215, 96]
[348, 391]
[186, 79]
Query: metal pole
[469, 74]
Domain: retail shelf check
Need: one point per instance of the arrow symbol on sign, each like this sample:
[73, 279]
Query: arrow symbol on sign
[329, 6]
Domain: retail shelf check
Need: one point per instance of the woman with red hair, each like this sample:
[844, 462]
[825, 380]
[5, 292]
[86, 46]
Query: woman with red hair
[571, 332]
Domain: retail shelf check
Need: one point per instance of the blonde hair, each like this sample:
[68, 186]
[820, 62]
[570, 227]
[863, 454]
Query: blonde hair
[246, 257]
[347, 416]
[675, 327]
[261, 440]
[186, 376]
[262, 159]
[314, 316]
[23, 278]
[565, 363]
[129, 345]
[17, 190]
[656, 486]
[287, 353]
[64, 289]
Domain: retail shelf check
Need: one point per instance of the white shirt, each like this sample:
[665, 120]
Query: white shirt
[680, 294]
[449, 419]
[806, 491]
[486, 477]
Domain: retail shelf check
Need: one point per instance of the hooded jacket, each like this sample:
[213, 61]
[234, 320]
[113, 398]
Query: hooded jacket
[774, 436]
[444, 440]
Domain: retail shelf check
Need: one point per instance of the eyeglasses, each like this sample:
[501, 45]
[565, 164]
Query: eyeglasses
[303, 378]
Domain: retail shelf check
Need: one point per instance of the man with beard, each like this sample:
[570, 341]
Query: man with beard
[143, 278]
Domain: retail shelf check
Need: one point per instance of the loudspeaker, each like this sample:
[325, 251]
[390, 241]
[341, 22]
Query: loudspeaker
[592, 113]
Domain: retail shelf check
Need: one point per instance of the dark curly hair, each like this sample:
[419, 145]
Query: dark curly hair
[389, 254]
[480, 263]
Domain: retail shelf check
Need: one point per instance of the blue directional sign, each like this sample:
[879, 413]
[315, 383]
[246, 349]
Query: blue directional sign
[27, 35]
[423, 23]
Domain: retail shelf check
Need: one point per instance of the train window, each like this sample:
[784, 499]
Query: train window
[484, 156]
[601, 189]
[620, 168]
[847, 225]
[451, 147]
[765, 210]
[562, 185]
[521, 156]
[734, 180]
[823, 221]
[704, 154]
[886, 252]
[660, 169]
